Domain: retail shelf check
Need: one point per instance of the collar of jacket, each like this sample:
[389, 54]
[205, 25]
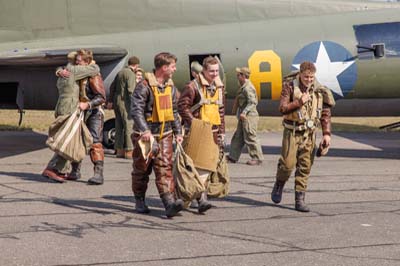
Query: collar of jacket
[204, 82]
[244, 85]
[151, 79]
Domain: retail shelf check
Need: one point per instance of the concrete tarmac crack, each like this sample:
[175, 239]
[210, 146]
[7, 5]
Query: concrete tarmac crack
[295, 250]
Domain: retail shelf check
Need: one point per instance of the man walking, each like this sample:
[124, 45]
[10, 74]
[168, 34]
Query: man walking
[120, 101]
[305, 105]
[204, 98]
[156, 119]
[245, 108]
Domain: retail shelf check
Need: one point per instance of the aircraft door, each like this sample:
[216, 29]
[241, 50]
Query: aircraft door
[200, 57]
[11, 95]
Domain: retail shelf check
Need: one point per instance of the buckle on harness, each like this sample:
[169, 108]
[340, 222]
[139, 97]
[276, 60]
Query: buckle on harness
[310, 124]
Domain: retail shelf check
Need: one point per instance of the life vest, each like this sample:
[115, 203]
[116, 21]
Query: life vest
[162, 105]
[209, 104]
[310, 113]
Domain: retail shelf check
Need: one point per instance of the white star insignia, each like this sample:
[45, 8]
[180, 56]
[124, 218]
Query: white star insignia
[328, 71]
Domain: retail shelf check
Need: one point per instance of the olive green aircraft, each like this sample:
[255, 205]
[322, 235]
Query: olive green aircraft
[354, 44]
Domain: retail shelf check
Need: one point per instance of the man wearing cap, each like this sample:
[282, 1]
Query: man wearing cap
[245, 108]
[120, 100]
[305, 105]
[156, 119]
[68, 100]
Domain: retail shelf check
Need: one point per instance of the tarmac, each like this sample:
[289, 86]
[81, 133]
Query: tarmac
[354, 196]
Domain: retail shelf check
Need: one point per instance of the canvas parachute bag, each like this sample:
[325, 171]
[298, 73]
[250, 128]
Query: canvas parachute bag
[69, 137]
[187, 183]
[218, 186]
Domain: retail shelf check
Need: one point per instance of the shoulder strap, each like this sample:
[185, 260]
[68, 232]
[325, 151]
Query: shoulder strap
[202, 101]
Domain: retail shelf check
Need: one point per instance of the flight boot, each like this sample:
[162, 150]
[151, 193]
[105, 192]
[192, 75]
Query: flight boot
[204, 205]
[140, 205]
[120, 153]
[128, 154]
[54, 175]
[300, 204]
[276, 194]
[75, 173]
[172, 206]
[97, 178]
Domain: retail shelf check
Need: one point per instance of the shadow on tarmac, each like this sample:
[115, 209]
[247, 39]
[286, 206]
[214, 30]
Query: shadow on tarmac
[19, 142]
[378, 140]
[27, 176]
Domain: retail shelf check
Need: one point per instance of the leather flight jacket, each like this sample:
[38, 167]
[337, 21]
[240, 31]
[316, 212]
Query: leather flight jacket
[92, 90]
[190, 96]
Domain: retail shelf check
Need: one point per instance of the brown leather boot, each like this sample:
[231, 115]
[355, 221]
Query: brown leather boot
[53, 175]
[120, 153]
[300, 204]
[128, 154]
[276, 194]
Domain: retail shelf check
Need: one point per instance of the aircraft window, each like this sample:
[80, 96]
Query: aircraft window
[199, 58]
[265, 90]
[8, 94]
[265, 67]
[382, 33]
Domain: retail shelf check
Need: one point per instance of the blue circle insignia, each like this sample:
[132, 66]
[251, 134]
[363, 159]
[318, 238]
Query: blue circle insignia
[335, 65]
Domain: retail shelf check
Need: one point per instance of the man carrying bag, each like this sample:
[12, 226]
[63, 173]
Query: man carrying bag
[69, 137]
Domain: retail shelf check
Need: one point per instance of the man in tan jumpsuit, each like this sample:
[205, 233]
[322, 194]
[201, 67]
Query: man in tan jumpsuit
[120, 101]
[68, 100]
[305, 105]
[245, 108]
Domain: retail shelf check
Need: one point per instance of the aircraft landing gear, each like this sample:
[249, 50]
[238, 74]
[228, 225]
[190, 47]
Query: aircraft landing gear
[109, 134]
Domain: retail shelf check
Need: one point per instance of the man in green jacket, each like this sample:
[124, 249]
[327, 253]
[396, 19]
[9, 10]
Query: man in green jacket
[245, 107]
[68, 100]
[120, 101]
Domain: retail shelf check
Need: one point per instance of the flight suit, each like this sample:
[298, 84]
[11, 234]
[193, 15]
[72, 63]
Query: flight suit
[94, 92]
[68, 100]
[246, 131]
[153, 109]
[125, 83]
[300, 123]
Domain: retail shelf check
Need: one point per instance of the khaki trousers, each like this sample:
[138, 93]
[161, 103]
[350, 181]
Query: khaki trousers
[60, 164]
[123, 128]
[246, 134]
[297, 152]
